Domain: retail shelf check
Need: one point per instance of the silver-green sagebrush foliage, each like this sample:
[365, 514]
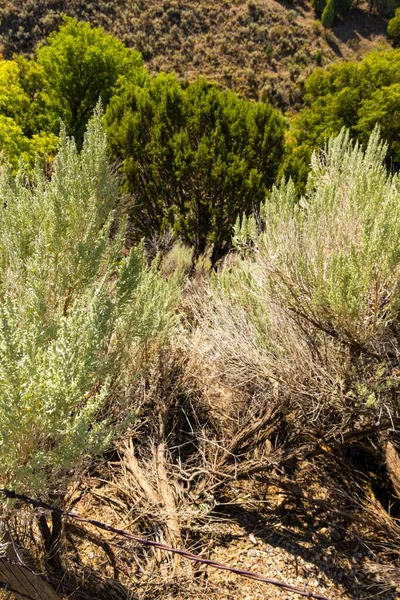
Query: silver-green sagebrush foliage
[334, 256]
[76, 314]
[311, 300]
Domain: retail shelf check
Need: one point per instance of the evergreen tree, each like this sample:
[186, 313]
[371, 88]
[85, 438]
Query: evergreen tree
[193, 158]
[393, 29]
[328, 14]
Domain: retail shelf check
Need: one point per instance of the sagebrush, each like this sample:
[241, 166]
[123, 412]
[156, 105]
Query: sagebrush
[77, 312]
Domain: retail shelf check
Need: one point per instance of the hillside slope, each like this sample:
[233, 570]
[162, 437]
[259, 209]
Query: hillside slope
[258, 48]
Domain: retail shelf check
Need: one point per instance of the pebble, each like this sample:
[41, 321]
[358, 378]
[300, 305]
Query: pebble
[323, 531]
[253, 539]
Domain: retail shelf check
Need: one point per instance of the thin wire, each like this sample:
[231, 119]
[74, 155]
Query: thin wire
[151, 543]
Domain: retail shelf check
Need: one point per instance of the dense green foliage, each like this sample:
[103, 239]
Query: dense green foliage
[353, 95]
[19, 137]
[82, 64]
[77, 66]
[393, 29]
[328, 14]
[75, 313]
[194, 158]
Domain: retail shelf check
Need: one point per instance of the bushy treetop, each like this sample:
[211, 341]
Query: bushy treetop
[193, 157]
[21, 135]
[353, 95]
[82, 64]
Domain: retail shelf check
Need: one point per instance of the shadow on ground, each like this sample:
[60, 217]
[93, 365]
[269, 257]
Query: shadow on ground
[359, 24]
[313, 544]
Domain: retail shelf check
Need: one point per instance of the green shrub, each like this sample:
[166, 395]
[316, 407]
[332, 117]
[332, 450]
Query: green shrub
[328, 14]
[75, 313]
[305, 315]
[382, 108]
[349, 94]
[393, 29]
[82, 64]
[334, 257]
[193, 158]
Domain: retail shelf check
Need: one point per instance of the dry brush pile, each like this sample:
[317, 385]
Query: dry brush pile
[287, 374]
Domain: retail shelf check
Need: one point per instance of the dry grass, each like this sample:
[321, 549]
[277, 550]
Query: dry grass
[226, 444]
[241, 434]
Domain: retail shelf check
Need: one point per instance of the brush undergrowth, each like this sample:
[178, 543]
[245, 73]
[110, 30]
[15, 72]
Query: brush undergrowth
[282, 384]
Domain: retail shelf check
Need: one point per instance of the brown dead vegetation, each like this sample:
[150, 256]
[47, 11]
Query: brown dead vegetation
[221, 436]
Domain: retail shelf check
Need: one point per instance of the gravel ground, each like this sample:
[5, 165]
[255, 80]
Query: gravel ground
[275, 538]
[325, 567]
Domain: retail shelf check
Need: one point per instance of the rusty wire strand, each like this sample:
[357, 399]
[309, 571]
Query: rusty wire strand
[151, 543]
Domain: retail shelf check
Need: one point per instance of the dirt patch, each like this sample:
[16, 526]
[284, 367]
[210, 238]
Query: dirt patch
[269, 536]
